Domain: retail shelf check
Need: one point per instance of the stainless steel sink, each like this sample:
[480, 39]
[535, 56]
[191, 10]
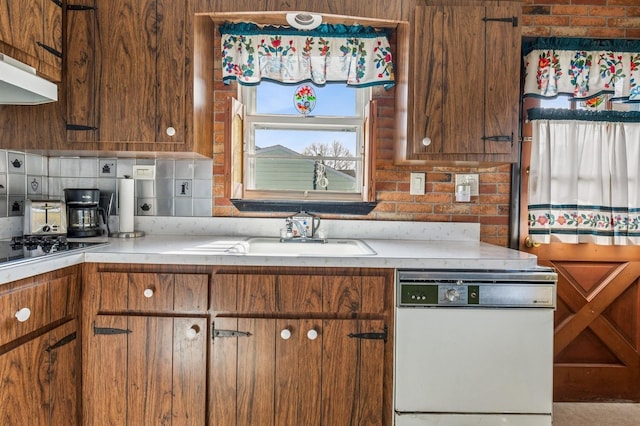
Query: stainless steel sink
[334, 247]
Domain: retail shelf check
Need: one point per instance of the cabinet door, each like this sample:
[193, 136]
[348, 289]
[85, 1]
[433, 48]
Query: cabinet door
[39, 385]
[130, 76]
[297, 371]
[466, 81]
[25, 391]
[147, 370]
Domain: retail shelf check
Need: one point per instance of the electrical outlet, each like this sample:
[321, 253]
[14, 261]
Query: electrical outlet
[471, 178]
[144, 172]
[416, 185]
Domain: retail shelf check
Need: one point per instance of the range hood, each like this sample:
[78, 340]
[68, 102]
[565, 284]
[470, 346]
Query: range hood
[19, 84]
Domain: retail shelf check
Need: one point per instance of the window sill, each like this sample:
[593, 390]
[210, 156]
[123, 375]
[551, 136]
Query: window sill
[347, 208]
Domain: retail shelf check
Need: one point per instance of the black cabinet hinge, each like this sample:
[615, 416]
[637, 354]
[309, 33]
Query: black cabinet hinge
[513, 20]
[109, 330]
[371, 336]
[80, 7]
[229, 333]
[500, 138]
[57, 2]
[51, 50]
[66, 339]
[80, 127]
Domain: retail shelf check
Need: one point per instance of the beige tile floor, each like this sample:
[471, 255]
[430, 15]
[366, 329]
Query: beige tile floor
[596, 414]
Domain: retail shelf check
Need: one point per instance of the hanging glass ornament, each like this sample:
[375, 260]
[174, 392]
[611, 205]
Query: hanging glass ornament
[304, 99]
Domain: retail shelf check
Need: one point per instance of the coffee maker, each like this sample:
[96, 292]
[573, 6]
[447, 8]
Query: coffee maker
[83, 212]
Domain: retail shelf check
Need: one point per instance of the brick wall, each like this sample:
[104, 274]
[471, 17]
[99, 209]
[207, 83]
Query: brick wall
[575, 18]
[582, 18]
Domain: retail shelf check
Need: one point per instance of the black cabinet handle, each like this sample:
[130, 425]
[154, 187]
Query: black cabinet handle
[51, 50]
[66, 339]
[501, 138]
[513, 20]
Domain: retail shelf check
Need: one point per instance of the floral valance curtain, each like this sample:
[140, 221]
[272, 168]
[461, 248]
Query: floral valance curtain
[582, 68]
[584, 178]
[359, 56]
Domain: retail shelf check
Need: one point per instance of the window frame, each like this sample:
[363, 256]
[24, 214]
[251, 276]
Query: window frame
[364, 143]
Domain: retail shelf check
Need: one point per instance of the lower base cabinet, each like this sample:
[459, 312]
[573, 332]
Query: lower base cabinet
[236, 346]
[147, 370]
[301, 347]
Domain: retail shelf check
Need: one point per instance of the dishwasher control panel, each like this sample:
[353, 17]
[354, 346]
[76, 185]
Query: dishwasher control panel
[522, 289]
[433, 294]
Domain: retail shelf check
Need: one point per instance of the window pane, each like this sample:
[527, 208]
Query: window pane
[308, 160]
[335, 99]
[309, 142]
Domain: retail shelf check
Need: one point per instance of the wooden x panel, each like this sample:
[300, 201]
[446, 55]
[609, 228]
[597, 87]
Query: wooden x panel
[588, 309]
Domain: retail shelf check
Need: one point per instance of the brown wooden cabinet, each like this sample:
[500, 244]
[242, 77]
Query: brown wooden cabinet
[308, 347]
[31, 32]
[130, 77]
[39, 355]
[464, 89]
[145, 347]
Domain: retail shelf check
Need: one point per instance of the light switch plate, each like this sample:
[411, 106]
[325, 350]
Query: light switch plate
[144, 172]
[472, 178]
[416, 185]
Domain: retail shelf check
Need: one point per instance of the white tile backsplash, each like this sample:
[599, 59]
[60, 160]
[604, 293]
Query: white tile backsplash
[30, 175]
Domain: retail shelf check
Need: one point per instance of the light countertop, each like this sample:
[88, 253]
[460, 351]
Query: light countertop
[415, 246]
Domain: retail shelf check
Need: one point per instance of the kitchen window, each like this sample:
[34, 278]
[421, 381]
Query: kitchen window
[316, 155]
[302, 130]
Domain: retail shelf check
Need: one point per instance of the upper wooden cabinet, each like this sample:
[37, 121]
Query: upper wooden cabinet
[464, 82]
[130, 77]
[31, 32]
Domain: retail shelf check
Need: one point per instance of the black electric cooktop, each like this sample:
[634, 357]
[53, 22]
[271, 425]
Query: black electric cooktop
[37, 246]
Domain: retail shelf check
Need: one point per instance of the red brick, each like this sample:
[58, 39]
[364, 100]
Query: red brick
[590, 2]
[607, 11]
[568, 32]
[633, 12]
[484, 209]
[570, 10]
[551, 2]
[622, 2]
[633, 33]
[536, 32]
[414, 208]
[588, 21]
[624, 22]
[502, 242]
[605, 33]
[494, 220]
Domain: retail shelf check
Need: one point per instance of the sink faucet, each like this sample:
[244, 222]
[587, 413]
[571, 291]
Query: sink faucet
[301, 236]
[302, 231]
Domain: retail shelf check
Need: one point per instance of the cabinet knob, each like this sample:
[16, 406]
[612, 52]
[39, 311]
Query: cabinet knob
[23, 314]
[192, 332]
[148, 292]
[312, 334]
[171, 131]
[285, 334]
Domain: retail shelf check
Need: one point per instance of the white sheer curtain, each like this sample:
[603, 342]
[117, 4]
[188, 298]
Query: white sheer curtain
[584, 184]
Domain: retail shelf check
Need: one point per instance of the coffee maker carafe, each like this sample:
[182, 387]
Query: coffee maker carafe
[83, 212]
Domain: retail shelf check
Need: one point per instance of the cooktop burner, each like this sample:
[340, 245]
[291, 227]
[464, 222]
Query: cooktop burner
[32, 246]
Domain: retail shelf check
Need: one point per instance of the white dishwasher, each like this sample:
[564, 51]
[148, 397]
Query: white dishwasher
[474, 348]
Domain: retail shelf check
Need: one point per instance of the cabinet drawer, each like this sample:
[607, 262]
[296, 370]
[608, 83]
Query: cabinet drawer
[153, 292]
[23, 310]
[340, 294]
